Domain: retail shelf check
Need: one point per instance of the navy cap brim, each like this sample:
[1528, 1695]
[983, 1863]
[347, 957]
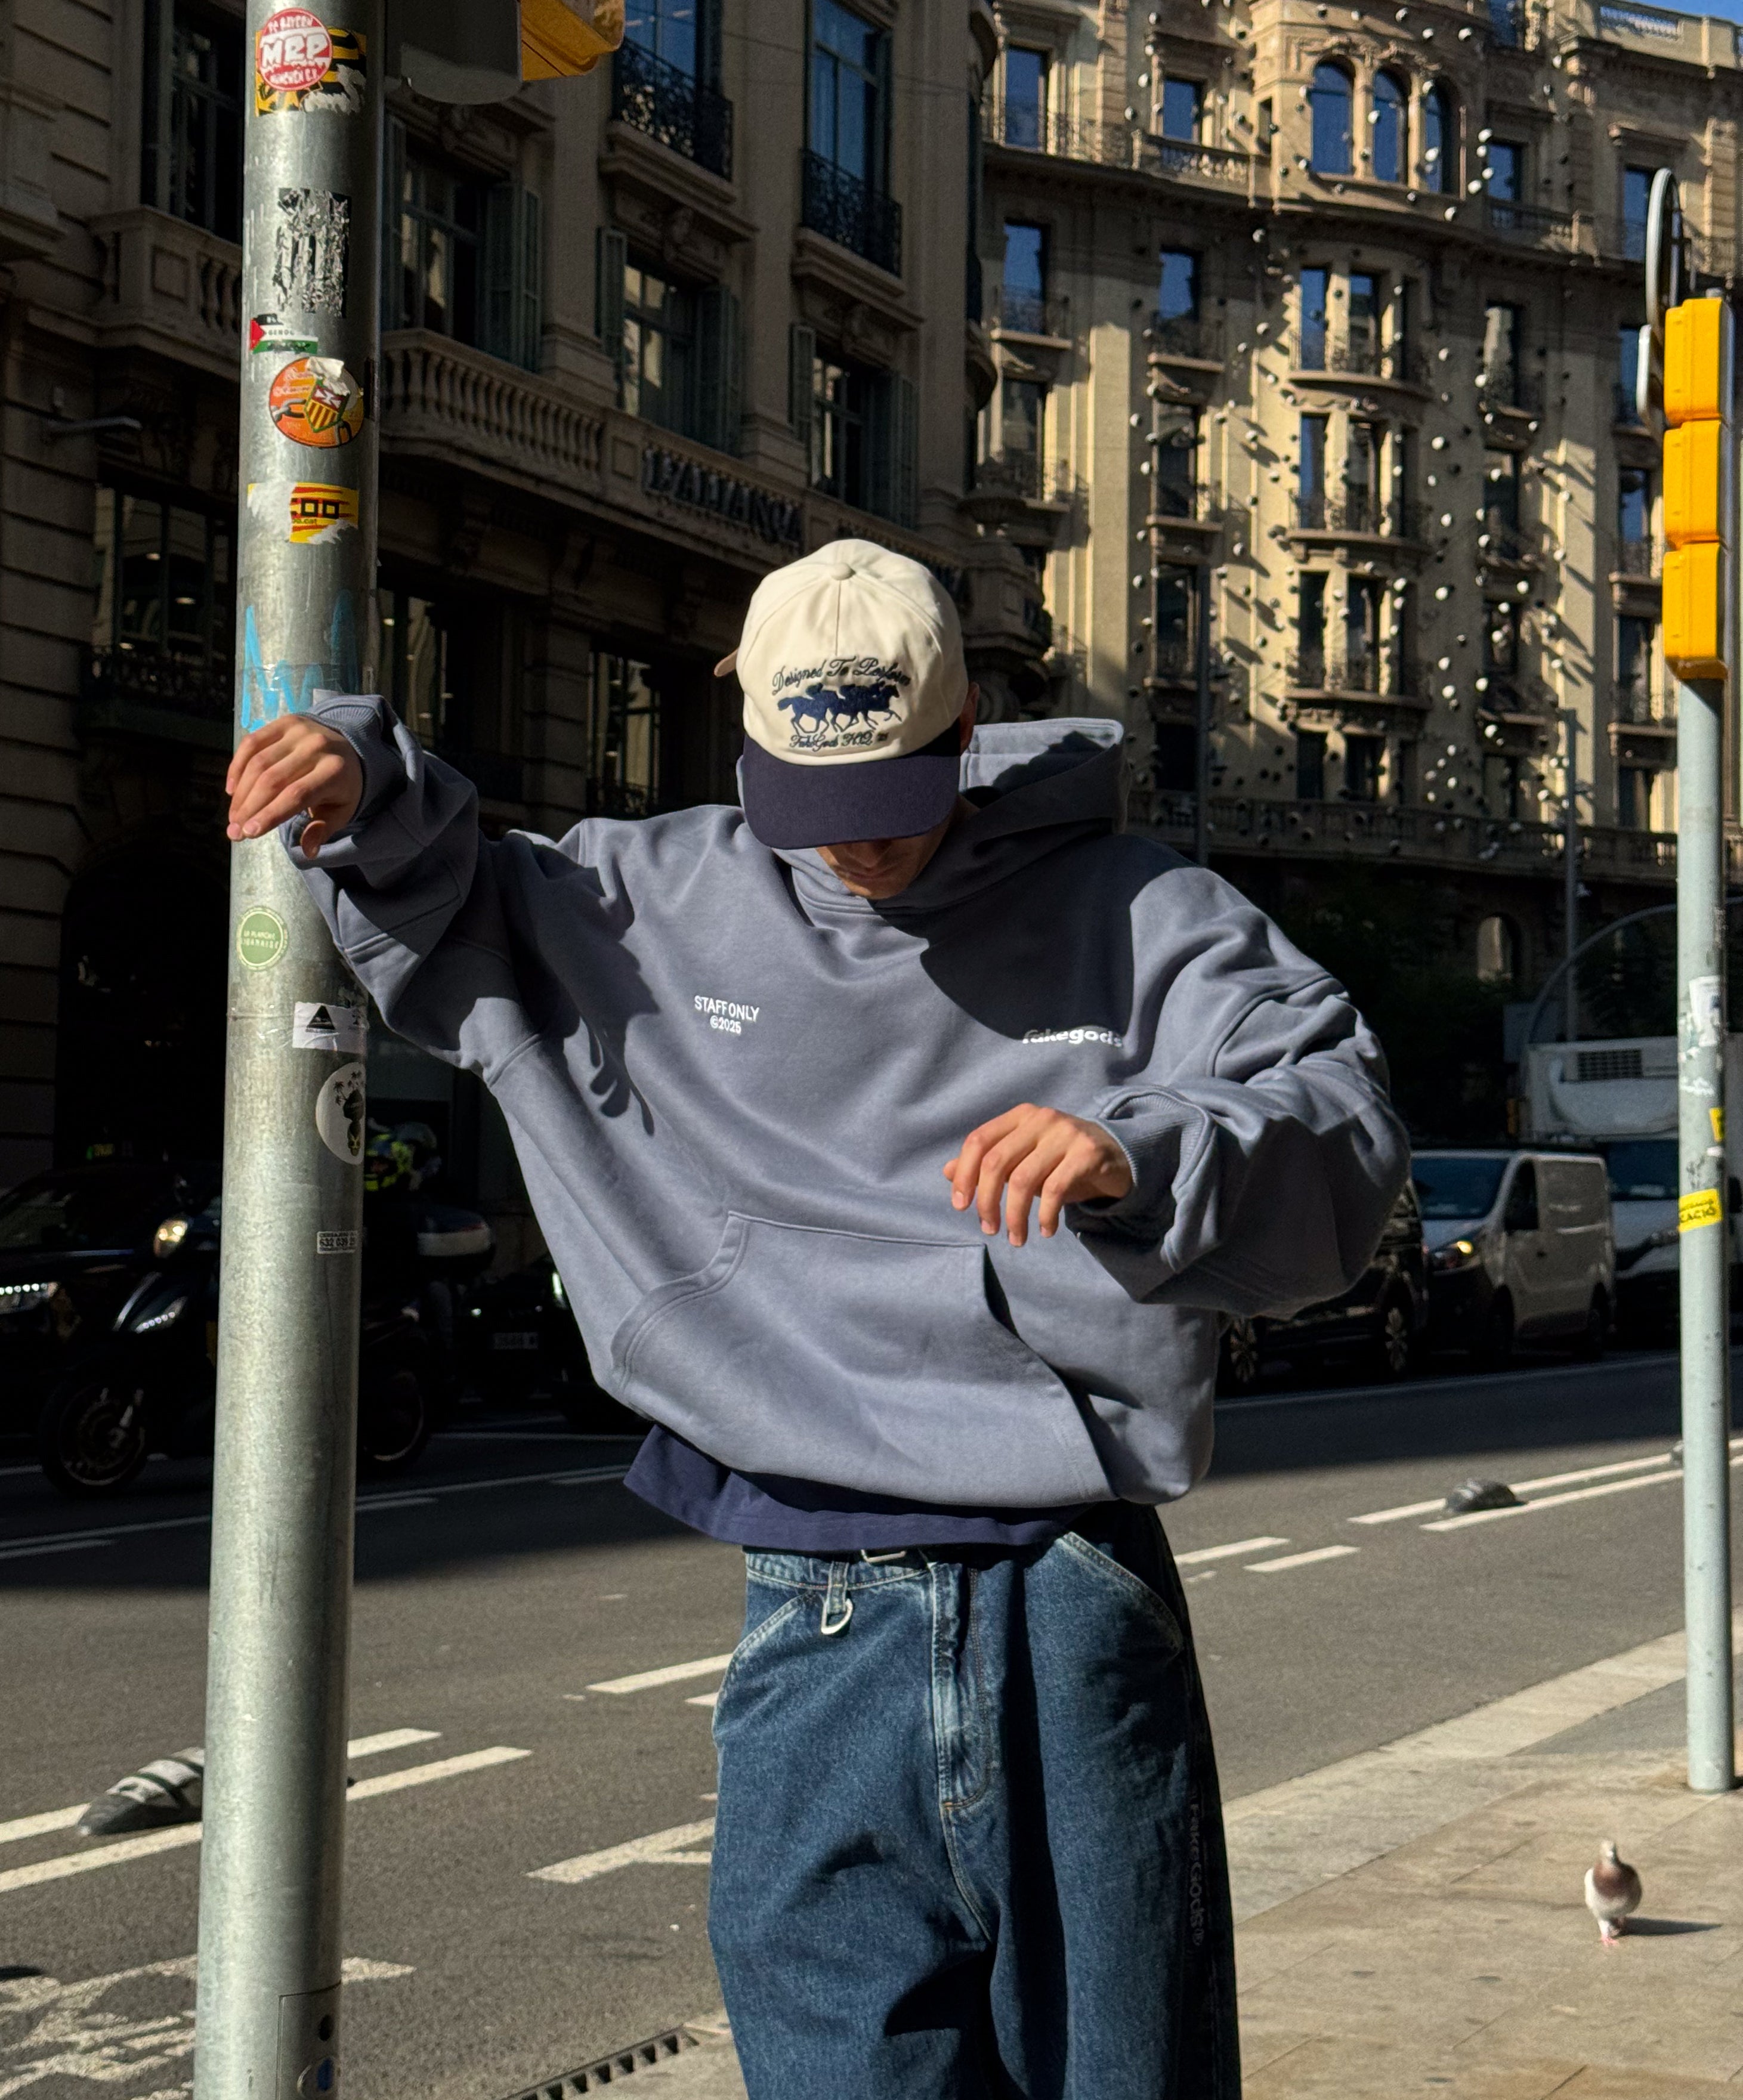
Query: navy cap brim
[789, 806]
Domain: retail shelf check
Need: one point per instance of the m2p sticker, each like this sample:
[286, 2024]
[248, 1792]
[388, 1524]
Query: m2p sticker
[314, 401]
[321, 1025]
[300, 64]
[270, 334]
[339, 1112]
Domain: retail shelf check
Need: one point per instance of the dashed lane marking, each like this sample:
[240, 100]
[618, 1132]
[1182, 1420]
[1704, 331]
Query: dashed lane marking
[663, 1848]
[1553, 1502]
[675, 1673]
[711, 1699]
[1301, 1559]
[359, 1746]
[1225, 1552]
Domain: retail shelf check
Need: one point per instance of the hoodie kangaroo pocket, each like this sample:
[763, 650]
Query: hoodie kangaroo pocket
[871, 1363]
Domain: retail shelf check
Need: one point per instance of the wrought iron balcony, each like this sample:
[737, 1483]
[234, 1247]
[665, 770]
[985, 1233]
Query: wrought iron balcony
[1636, 557]
[1504, 386]
[1536, 224]
[1501, 541]
[1359, 514]
[1026, 475]
[1030, 313]
[1370, 674]
[843, 210]
[1315, 350]
[141, 678]
[673, 106]
[1185, 335]
[1636, 707]
[1181, 503]
[1185, 157]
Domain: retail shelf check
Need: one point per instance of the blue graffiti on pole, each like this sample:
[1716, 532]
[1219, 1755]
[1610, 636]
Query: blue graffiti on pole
[280, 688]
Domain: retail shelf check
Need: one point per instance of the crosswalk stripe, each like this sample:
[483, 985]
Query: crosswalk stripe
[65, 1864]
[674, 1673]
[663, 1848]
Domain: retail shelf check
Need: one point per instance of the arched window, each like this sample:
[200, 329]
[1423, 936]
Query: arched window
[1329, 101]
[1440, 140]
[1385, 121]
[1496, 951]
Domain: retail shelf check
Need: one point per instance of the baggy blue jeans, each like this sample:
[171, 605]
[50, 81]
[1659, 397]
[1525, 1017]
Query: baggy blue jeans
[969, 1843]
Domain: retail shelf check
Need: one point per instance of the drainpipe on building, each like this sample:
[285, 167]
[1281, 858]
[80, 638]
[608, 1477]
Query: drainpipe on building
[1201, 742]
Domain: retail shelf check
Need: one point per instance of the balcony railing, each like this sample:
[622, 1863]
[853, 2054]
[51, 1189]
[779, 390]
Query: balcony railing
[1500, 541]
[1361, 514]
[438, 395]
[1372, 674]
[1536, 224]
[1028, 130]
[1027, 475]
[1636, 708]
[673, 106]
[1182, 502]
[1174, 661]
[1636, 557]
[851, 213]
[1185, 335]
[1315, 350]
[1504, 386]
[1185, 157]
[197, 687]
[1031, 313]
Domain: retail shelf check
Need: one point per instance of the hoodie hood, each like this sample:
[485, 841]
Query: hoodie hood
[1036, 787]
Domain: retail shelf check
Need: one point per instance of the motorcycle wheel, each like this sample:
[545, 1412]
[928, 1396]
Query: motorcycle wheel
[91, 1436]
[395, 1410]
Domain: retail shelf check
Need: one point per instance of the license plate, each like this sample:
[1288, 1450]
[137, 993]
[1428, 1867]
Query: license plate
[513, 1341]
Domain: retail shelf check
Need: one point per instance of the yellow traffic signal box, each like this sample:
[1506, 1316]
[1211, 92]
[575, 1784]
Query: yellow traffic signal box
[1694, 361]
[1693, 481]
[1694, 609]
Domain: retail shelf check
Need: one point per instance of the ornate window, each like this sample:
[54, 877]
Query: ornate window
[1386, 123]
[1329, 103]
[1439, 170]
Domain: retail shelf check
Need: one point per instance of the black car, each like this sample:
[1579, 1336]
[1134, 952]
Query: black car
[1379, 1324]
[517, 1340]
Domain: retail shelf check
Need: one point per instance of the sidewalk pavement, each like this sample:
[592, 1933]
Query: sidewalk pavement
[1412, 1920]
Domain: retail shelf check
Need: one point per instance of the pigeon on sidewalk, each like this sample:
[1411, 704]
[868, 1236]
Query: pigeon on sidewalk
[1612, 1892]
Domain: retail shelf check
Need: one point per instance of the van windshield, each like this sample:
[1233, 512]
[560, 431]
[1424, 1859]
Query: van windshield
[1642, 1170]
[1451, 1187]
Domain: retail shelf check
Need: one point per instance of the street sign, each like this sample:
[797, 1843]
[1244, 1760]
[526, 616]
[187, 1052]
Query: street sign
[471, 50]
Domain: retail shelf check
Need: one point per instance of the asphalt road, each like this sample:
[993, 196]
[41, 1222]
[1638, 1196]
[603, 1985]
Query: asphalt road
[506, 1581]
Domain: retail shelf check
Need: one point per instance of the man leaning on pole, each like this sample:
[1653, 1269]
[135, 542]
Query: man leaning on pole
[900, 1137]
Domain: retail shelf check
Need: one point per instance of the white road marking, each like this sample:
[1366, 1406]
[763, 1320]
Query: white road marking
[1403, 1509]
[1531, 1487]
[709, 1699]
[102, 1534]
[359, 1746]
[394, 1782]
[1553, 1502]
[123, 1849]
[674, 1673]
[395, 1502]
[663, 1848]
[54, 1545]
[1300, 1560]
[1225, 1552]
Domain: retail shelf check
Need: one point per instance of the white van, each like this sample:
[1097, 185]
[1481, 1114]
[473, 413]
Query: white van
[1519, 1246]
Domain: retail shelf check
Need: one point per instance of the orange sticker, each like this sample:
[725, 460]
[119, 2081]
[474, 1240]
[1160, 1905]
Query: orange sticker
[315, 401]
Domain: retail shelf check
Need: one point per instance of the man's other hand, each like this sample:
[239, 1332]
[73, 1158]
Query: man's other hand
[293, 764]
[1031, 1152]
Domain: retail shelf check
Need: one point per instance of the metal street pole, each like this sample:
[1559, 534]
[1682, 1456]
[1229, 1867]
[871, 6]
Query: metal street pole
[1705, 1233]
[1570, 870]
[1202, 740]
[285, 1475]
[1689, 348]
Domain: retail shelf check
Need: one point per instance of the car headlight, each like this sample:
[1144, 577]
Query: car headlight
[1455, 1255]
[169, 1237]
[23, 1297]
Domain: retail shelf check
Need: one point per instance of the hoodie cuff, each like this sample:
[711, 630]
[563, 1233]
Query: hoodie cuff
[1162, 1137]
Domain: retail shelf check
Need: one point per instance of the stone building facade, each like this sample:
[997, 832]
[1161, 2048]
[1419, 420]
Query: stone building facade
[648, 334]
[1331, 309]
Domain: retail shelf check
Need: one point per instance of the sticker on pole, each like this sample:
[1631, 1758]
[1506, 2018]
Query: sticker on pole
[300, 64]
[338, 1242]
[1705, 1012]
[268, 333]
[1701, 1207]
[321, 1025]
[261, 937]
[339, 1110]
[314, 401]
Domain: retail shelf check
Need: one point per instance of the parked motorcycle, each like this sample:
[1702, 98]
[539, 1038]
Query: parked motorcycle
[123, 1380]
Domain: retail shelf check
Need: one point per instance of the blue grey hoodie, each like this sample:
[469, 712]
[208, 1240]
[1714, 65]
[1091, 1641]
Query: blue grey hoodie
[733, 1088]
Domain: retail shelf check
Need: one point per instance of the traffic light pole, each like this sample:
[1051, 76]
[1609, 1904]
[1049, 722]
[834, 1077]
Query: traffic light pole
[285, 1477]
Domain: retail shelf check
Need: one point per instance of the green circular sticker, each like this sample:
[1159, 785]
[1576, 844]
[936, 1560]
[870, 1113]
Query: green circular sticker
[261, 937]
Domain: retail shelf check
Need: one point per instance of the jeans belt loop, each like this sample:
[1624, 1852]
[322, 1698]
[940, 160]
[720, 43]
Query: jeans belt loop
[838, 1606]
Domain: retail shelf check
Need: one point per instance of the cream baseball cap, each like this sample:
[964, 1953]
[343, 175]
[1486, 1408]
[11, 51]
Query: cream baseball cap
[852, 670]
